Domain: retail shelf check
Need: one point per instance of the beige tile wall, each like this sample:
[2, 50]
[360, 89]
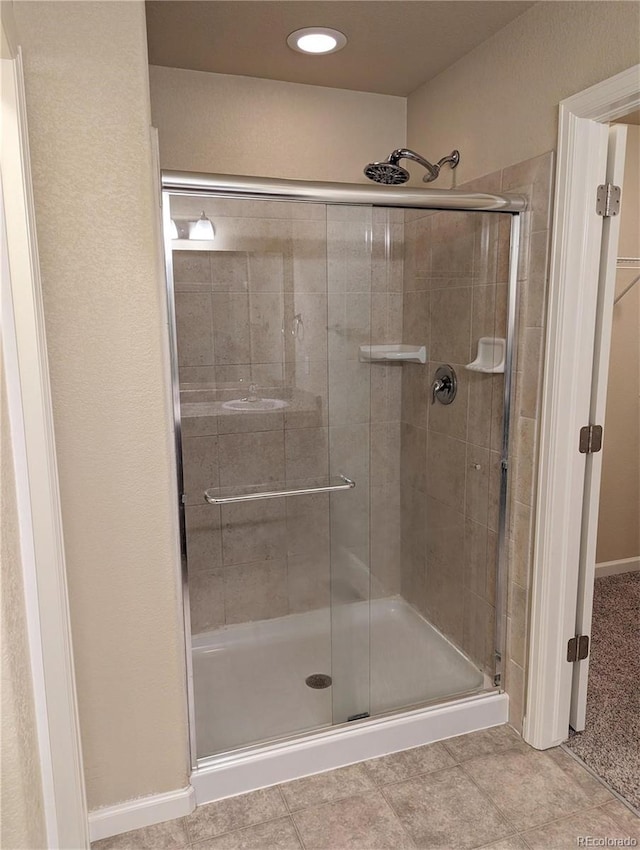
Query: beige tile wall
[455, 292]
[235, 314]
[535, 179]
[457, 266]
[456, 271]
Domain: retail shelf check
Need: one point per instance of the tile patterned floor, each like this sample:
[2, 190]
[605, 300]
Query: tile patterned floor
[487, 789]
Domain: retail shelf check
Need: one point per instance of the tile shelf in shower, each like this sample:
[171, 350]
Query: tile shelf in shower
[208, 402]
[490, 357]
[393, 353]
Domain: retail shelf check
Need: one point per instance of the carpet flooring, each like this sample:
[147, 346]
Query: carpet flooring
[610, 743]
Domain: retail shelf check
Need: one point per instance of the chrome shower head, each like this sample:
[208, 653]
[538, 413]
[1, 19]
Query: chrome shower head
[387, 172]
[391, 172]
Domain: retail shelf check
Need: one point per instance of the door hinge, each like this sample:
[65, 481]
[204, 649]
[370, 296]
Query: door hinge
[608, 200]
[590, 439]
[578, 648]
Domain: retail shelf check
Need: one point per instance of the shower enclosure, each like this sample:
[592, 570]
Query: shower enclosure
[342, 528]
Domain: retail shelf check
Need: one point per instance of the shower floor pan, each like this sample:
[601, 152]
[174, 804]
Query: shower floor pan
[250, 690]
[249, 679]
[267, 663]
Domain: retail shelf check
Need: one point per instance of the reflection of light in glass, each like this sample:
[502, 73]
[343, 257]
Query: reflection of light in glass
[174, 230]
[201, 229]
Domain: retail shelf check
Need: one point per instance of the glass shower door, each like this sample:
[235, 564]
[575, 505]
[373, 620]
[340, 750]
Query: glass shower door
[274, 400]
[313, 602]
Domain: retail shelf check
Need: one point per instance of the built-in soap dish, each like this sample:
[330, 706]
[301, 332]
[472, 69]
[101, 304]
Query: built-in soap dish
[393, 353]
[490, 356]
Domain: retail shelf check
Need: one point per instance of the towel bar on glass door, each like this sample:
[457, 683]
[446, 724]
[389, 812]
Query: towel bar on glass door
[278, 494]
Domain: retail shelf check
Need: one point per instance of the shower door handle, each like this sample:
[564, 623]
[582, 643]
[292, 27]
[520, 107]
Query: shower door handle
[348, 484]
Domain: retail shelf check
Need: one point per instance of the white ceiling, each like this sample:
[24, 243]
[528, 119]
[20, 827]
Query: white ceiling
[393, 45]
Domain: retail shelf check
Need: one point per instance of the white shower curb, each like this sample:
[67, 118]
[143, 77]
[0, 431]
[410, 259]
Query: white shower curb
[282, 762]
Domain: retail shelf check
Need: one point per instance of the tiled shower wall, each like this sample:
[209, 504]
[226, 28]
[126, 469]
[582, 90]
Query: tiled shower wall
[533, 178]
[456, 271]
[236, 312]
[454, 292]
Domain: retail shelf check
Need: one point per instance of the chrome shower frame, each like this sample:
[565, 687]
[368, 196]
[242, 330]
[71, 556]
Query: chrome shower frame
[260, 188]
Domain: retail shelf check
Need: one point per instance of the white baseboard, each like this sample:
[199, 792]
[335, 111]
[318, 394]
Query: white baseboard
[613, 568]
[145, 811]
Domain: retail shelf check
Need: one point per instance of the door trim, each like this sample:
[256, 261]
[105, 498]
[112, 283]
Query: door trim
[41, 535]
[575, 256]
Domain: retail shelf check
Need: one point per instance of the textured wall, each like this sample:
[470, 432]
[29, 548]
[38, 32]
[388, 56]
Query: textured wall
[242, 125]
[498, 104]
[20, 782]
[88, 112]
[618, 526]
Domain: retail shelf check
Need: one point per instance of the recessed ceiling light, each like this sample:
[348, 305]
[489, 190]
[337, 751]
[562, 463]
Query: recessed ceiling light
[317, 40]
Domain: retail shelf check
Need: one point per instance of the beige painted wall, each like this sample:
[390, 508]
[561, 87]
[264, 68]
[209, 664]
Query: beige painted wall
[243, 125]
[20, 781]
[88, 113]
[498, 104]
[619, 520]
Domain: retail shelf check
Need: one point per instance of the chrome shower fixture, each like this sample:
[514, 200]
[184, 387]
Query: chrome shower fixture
[391, 173]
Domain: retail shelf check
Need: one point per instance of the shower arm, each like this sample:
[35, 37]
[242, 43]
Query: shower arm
[405, 153]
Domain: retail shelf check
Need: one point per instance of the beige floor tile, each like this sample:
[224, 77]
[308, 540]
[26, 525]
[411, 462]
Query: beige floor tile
[565, 834]
[408, 763]
[235, 812]
[596, 792]
[170, 835]
[326, 787]
[530, 788]
[484, 743]
[357, 823]
[513, 842]
[625, 817]
[446, 810]
[274, 835]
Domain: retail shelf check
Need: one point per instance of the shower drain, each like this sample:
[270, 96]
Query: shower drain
[318, 680]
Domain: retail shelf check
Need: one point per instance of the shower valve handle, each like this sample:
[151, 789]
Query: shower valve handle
[440, 385]
[444, 386]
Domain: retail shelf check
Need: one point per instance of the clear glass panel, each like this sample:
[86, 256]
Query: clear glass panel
[435, 514]
[349, 235]
[251, 315]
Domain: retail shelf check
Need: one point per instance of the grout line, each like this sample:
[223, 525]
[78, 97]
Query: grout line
[217, 835]
[564, 817]
[397, 817]
[600, 779]
[507, 823]
[290, 816]
[297, 831]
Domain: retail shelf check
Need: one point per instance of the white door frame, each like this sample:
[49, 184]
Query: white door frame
[569, 357]
[37, 488]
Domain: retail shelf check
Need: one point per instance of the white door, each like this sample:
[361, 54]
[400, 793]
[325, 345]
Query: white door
[593, 469]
